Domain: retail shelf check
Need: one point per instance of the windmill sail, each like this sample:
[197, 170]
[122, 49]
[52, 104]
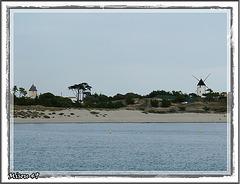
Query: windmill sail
[195, 77]
[206, 77]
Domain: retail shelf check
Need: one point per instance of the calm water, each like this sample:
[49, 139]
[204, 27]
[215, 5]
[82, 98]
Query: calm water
[129, 147]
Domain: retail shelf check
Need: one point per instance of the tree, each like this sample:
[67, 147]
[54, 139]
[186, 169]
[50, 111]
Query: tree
[129, 100]
[118, 97]
[156, 93]
[180, 98]
[211, 96]
[80, 90]
[193, 95]
[209, 90]
[50, 100]
[15, 89]
[177, 93]
[86, 90]
[132, 95]
[22, 92]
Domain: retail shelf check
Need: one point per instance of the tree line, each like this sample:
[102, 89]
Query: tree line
[84, 98]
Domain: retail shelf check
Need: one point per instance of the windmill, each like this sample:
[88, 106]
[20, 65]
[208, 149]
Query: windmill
[201, 86]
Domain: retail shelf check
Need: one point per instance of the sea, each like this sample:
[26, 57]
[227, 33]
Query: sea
[118, 148]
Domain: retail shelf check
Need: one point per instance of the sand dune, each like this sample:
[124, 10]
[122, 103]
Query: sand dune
[120, 116]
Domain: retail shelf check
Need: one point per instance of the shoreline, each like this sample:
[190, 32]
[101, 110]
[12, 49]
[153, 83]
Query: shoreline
[122, 116]
[65, 122]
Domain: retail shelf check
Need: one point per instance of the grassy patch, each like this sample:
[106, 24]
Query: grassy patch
[46, 116]
[182, 108]
[27, 114]
[172, 110]
[94, 112]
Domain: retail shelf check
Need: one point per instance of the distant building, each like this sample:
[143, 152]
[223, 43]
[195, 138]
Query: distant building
[224, 94]
[201, 88]
[33, 92]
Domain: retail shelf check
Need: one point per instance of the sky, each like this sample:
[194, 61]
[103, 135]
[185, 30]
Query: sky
[120, 52]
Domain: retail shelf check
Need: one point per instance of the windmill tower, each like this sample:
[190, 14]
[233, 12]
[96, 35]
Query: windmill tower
[33, 92]
[201, 86]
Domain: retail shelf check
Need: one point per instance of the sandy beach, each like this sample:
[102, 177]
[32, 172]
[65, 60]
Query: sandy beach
[120, 116]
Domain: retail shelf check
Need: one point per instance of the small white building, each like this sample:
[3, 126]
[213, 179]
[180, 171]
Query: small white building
[201, 88]
[33, 92]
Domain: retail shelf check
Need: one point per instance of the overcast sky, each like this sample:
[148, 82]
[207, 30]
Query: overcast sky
[120, 52]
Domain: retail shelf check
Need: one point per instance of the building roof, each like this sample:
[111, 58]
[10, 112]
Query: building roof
[33, 88]
[201, 83]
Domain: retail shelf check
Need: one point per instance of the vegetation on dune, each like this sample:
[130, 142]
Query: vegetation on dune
[182, 108]
[27, 114]
[154, 103]
[166, 103]
[172, 110]
[206, 108]
[129, 100]
[159, 101]
[46, 99]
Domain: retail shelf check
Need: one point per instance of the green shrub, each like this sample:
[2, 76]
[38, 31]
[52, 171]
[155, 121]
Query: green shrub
[206, 108]
[166, 103]
[154, 103]
[89, 104]
[94, 112]
[222, 109]
[172, 110]
[129, 100]
[158, 92]
[118, 105]
[182, 108]
[49, 100]
[118, 97]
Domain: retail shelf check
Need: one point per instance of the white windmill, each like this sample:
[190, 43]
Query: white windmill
[201, 86]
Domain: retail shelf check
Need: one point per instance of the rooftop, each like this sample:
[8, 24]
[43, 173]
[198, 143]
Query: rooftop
[33, 88]
[201, 83]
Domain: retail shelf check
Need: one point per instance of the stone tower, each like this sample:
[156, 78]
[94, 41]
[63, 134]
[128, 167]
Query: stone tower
[33, 92]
